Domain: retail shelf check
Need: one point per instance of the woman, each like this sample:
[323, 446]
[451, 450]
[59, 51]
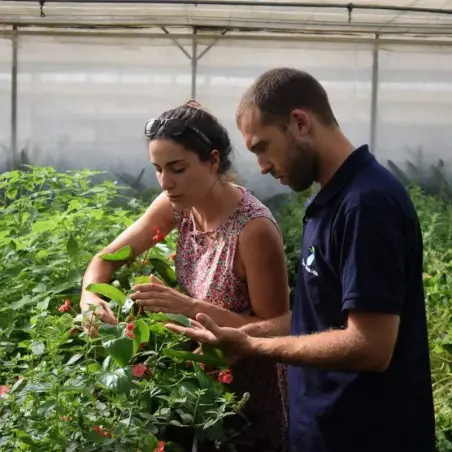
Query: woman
[229, 255]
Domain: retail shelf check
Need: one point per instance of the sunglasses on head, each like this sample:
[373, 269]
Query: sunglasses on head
[173, 128]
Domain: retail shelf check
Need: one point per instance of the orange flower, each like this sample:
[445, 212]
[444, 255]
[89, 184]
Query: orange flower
[66, 418]
[158, 236]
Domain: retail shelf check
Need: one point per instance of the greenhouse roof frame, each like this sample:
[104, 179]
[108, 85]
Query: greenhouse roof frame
[400, 18]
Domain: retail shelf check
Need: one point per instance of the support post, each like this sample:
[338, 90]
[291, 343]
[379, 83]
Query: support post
[14, 97]
[374, 99]
[194, 63]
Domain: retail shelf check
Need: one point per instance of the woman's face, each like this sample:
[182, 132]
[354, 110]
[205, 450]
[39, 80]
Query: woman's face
[181, 174]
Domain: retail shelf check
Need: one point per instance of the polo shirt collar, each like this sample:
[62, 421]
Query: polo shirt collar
[359, 158]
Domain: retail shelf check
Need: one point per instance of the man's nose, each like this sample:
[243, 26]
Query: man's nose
[265, 167]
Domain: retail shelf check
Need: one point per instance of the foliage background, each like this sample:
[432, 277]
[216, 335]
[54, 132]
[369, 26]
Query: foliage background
[52, 223]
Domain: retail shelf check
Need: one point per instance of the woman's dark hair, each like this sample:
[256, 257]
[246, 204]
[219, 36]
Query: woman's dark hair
[205, 123]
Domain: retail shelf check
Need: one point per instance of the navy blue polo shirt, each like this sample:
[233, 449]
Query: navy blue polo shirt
[362, 250]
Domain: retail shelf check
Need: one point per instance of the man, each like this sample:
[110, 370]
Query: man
[356, 340]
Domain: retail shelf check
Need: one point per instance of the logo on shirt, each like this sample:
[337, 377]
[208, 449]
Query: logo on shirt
[310, 261]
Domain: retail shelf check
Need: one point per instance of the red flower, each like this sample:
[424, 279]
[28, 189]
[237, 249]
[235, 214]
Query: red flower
[101, 431]
[67, 302]
[160, 447]
[225, 377]
[138, 370]
[129, 330]
[158, 236]
[64, 308]
[3, 390]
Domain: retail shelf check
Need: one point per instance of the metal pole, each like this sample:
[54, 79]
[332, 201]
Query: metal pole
[194, 63]
[14, 97]
[374, 99]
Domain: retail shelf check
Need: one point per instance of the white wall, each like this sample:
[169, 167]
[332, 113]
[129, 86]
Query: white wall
[84, 102]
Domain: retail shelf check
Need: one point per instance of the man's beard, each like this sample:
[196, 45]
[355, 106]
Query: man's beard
[302, 164]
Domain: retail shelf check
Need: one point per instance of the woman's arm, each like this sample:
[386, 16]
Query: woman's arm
[139, 237]
[261, 260]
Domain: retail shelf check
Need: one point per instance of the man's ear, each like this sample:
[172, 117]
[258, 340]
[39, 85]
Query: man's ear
[301, 122]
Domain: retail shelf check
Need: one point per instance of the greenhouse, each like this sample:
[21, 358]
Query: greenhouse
[78, 81]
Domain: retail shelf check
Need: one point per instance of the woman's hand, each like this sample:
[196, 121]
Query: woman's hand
[93, 310]
[155, 297]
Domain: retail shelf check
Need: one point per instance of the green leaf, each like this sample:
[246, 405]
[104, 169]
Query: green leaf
[74, 358]
[123, 254]
[94, 368]
[198, 357]
[24, 301]
[108, 291]
[38, 348]
[119, 348]
[164, 270]
[72, 246]
[118, 380]
[143, 279]
[141, 332]
[178, 318]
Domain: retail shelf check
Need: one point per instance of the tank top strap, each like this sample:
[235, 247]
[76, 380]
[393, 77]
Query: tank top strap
[250, 208]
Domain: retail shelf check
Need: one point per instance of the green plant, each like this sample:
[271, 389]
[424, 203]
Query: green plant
[133, 385]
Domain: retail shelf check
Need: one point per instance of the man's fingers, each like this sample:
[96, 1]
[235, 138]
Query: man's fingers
[195, 324]
[208, 324]
[203, 335]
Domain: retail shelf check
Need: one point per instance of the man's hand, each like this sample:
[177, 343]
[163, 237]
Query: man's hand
[232, 341]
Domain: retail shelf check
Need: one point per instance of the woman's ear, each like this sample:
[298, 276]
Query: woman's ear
[214, 160]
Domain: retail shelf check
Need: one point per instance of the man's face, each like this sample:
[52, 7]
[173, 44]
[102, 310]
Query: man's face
[288, 154]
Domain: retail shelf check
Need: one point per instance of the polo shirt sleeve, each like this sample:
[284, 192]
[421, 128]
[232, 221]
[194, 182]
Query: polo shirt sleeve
[372, 259]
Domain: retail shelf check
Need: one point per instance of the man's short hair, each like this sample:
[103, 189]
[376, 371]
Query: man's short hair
[278, 91]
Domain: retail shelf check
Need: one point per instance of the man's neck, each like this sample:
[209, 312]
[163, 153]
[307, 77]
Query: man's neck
[335, 149]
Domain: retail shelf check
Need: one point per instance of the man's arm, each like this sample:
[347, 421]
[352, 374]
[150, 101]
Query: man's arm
[279, 326]
[365, 345]
[373, 265]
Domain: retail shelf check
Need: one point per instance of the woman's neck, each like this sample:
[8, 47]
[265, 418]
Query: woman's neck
[219, 203]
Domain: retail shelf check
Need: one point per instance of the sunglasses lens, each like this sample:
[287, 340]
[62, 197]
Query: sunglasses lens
[175, 127]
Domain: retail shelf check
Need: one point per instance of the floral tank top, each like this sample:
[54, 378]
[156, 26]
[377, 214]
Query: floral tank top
[205, 260]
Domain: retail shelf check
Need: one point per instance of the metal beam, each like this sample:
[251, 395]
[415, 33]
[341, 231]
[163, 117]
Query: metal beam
[126, 34]
[194, 63]
[374, 98]
[321, 5]
[300, 28]
[211, 45]
[14, 45]
[175, 42]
